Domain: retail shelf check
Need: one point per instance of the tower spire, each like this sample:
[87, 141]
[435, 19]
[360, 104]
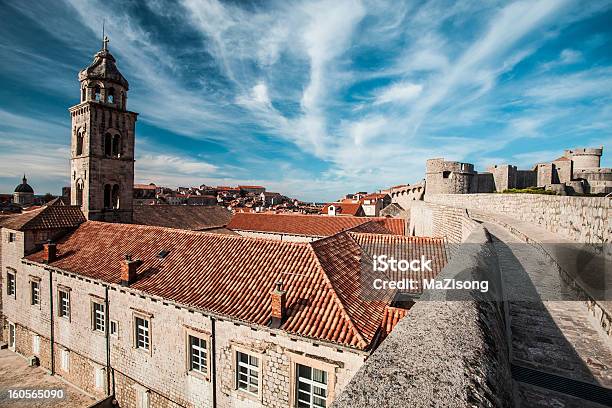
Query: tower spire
[105, 39]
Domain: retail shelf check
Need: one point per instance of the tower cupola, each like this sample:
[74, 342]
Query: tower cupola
[102, 81]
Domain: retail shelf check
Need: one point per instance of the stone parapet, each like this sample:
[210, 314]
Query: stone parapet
[444, 353]
[580, 219]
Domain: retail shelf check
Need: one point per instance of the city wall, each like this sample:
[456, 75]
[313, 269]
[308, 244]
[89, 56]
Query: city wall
[580, 219]
[443, 353]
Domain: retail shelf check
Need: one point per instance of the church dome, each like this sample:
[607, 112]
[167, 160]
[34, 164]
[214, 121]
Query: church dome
[103, 68]
[24, 187]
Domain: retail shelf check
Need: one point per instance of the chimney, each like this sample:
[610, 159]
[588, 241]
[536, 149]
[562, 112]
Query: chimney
[279, 300]
[49, 252]
[128, 270]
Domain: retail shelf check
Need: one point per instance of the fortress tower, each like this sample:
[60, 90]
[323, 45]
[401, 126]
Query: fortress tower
[585, 158]
[102, 143]
[449, 177]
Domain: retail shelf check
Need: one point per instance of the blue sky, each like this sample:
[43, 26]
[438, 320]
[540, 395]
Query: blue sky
[313, 99]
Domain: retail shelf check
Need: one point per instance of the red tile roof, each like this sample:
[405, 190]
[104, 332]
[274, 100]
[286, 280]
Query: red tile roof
[391, 318]
[145, 187]
[294, 224]
[47, 217]
[402, 247]
[395, 225]
[233, 276]
[374, 196]
[344, 208]
[189, 217]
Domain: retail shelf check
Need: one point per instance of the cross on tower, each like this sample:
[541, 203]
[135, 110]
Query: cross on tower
[105, 41]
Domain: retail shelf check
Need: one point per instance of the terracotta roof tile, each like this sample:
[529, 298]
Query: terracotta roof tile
[188, 217]
[391, 318]
[344, 208]
[295, 224]
[405, 247]
[395, 225]
[233, 276]
[47, 217]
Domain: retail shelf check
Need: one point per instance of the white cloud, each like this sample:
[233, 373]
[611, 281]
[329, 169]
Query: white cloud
[399, 92]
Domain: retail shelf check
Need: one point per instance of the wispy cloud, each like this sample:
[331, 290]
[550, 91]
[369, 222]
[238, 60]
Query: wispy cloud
[334, 95]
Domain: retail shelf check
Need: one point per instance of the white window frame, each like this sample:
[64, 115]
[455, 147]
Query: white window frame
[201, 352]
[65, 360]
[98, 316]
[99, 377]
[299, 359]
[12, 335]
[238, 364]
[114, 333]
[11, 283]
[142, 332]
[202, 336]
[35, 291]
[143, 396]
[312, 384]
[35, 344]
[63, 305]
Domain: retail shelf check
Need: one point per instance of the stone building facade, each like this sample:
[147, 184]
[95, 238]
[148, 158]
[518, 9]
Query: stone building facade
[86, 312]
[102, 143]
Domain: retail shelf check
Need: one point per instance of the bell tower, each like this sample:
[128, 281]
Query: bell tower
[102, 143]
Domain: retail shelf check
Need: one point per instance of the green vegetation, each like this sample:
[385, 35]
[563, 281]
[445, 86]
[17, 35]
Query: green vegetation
[529, 190]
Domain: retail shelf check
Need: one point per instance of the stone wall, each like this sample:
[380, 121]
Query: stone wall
[405, 196]
[432, 220]
[136, 371]
[443, 353]
[581, 219]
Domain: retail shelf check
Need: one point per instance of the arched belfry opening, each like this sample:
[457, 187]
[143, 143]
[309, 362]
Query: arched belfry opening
[80, 138]
[116, 146]
[115, 196]
[79, 192]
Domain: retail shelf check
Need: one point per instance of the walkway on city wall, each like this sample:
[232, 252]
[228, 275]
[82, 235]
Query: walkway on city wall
[540, 337]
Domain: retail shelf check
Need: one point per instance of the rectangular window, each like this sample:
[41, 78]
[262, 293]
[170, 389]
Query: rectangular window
[311, 387]
[141, 327]
[12, 237]
[35, 292]
[65, 360]
[114, 328]
[247, 373]
[142, 397]
[198, 354]
[12, 336]
[99, 378]
[64, 304]
[11, 287]
[98, 317]
[35, 344]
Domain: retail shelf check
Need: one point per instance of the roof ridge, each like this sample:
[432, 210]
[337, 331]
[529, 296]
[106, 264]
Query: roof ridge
[202, 232]
[337, 298]
[394, 236]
